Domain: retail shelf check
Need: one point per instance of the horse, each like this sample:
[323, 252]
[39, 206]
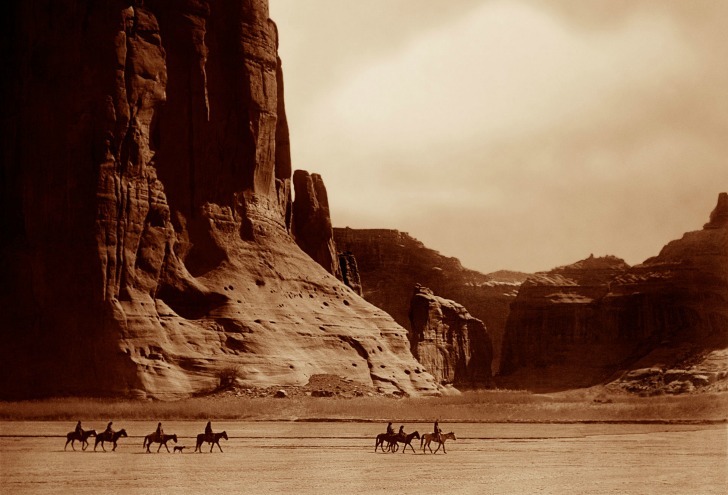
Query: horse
[109, 437]
[161, 440]
[83, 438]
[213, 439]
[384, 437]
[406, 440]
[431, 437]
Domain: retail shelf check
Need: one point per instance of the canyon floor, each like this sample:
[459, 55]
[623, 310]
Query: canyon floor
[324, 457]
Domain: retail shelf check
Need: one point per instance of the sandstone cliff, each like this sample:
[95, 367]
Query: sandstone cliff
[311, 223]
[147, 209]
[579, 325]
[392, 263]
[452, 345]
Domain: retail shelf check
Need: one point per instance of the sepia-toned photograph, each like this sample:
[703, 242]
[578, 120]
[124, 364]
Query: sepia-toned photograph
[340, 247]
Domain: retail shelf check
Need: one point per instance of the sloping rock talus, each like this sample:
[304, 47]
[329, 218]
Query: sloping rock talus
[669, 312]
[147, 211]
[452, 345]
[392, 263]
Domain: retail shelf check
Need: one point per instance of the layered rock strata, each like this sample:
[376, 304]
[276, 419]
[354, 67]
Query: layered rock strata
[392, 263]
[452, 345]
[638, 317]
[147, 208]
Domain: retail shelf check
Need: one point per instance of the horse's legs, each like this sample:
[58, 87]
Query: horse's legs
[218, 446]
[160, 446]
[114, 449]
[67, 441]
[438, 448]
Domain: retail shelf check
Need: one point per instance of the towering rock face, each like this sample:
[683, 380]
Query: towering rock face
[392, 263]
[452, 345]
[312, 220]
[554, 323]
[147, 207]
[568, 330]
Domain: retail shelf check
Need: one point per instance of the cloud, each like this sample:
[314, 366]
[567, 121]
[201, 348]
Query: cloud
[525, 137]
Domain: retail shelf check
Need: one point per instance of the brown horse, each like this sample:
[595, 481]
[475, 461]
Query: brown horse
[393, 441]
[83, 438]
[431, 437]
[161, 440]
[406, 440]
[112, 437]
[384, 437]
[213, 440]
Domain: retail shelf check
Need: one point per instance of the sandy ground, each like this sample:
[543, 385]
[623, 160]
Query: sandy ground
[322, 458]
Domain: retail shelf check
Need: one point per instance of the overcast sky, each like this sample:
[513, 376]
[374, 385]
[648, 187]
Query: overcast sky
[512, 134]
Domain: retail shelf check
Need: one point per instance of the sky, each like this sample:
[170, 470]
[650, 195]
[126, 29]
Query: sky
[512, 134]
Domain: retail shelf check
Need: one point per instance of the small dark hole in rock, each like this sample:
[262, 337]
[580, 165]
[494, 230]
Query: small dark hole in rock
[346, 303]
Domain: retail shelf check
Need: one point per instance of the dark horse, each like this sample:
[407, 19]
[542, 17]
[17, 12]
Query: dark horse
[407, 440]
[393, 441]
[109, 437]
[161, 440]
[83, 438]
[213, 439]
[384, 437]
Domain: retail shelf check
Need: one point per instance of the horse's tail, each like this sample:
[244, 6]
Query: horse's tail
[144, 443]
[422, 440]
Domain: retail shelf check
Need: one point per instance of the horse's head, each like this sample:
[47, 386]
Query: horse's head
[416, 434]
[122, 432]
[452, 435]
[174, 438]
[224, 435]
[91, 433]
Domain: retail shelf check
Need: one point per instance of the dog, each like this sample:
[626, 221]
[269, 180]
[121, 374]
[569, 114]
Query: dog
[179, 448]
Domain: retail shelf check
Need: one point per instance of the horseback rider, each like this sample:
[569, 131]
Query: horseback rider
[79, 431]
[108, 431]
[401, 431]
[390, 430]
[159, 432]
[208, 429]
[437, 431]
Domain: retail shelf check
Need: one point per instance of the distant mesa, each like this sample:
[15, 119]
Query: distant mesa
[579, 325]
[391, 263]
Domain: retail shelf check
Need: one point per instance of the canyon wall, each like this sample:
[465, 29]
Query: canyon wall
[147, 211]
[392, 263]
[579, 325]
[452, 345]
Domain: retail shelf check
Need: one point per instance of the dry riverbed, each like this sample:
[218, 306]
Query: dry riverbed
[324, 457]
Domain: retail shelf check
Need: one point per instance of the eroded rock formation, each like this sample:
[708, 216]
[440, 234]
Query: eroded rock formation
[392, 263]
[670, 311]
[312, 220]
[452, 345]
[350, 272]
[147, 209]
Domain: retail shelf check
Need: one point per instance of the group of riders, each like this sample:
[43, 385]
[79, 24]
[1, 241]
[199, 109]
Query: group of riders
[110, 435]
[436, 430]
[389, 441]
